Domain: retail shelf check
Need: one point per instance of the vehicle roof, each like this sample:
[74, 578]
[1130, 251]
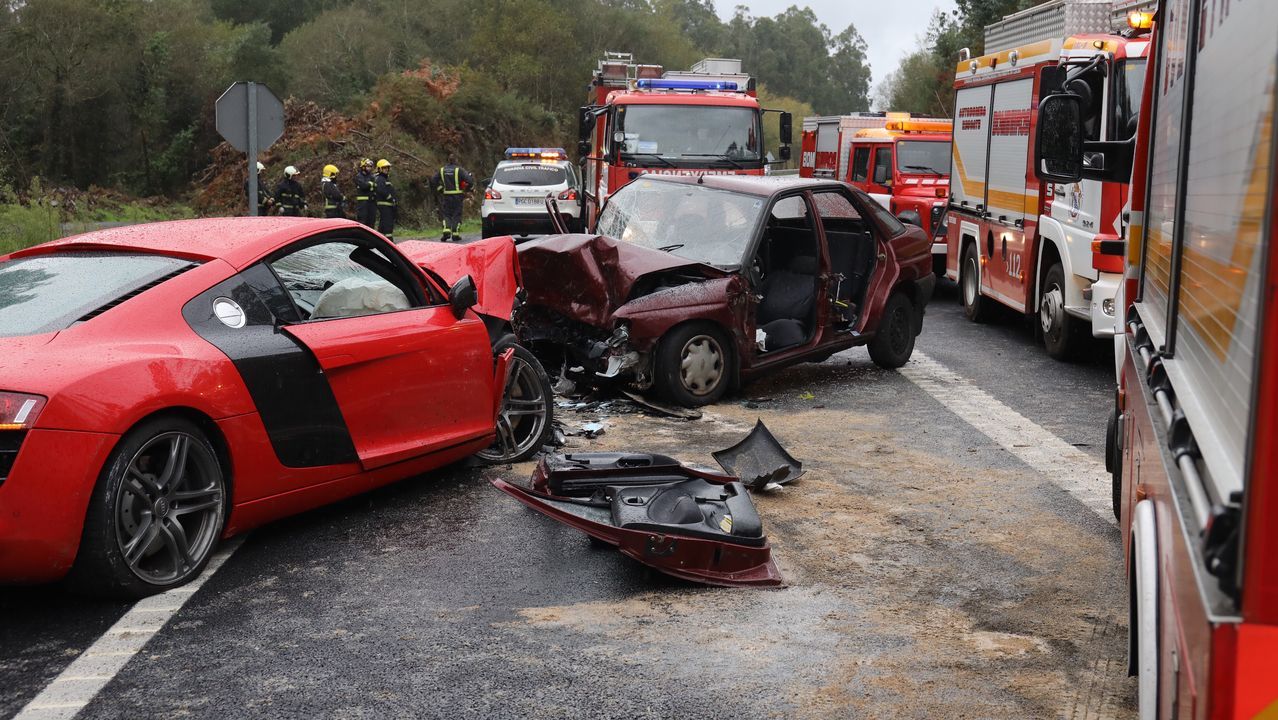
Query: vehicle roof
[761, 185]
[237, 240]
[533, 161]
[880, 135]
[714, 98]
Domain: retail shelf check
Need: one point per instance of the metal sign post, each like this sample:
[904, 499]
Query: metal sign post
[251, 118]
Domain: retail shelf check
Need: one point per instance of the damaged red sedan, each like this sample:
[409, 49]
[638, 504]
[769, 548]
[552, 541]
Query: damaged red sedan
[167, 385]
[694, 285]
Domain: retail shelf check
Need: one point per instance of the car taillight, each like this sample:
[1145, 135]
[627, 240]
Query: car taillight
[18, 411]
[1108, 255]
[492, 195]
[568, 195]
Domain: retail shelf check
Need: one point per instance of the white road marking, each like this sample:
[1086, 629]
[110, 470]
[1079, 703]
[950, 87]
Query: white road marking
[1070, 468]
[85, 677]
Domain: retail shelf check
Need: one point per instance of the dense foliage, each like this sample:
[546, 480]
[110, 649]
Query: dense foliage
[120, 93]
[924, 81]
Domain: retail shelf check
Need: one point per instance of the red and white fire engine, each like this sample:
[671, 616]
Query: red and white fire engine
[901, 161]
[1193, 443]
[644, 119]
[1044, 249]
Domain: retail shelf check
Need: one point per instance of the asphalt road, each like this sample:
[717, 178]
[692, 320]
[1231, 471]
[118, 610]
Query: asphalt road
[931, 571]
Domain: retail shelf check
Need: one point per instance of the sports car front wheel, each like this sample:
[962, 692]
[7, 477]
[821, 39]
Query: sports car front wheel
[524, 423]
[156, 512]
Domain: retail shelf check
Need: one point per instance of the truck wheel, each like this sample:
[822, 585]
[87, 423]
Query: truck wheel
[695, 364]
[1060, 332]
[893, 344]
[974, 304]
[1114, 461]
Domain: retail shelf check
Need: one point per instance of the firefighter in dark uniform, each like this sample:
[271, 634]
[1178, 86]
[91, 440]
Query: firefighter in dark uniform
[452, 181]
[387, 202]
[264, 199]
[334, 201]
[365, 187]
[289, 194]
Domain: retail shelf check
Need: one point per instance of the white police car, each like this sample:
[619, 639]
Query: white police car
[515, 196]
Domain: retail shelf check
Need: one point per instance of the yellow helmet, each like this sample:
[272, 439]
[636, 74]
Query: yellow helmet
[330, 171]
[366, 163]
[383, 164]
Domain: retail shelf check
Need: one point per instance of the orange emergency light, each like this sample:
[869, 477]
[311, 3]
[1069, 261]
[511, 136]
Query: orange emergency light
[1140, 20]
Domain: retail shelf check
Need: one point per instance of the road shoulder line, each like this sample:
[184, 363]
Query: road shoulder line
[1071, 469]
[81, 681]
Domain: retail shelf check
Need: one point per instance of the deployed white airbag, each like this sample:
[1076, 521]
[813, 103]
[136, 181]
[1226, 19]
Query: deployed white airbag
[359, 296]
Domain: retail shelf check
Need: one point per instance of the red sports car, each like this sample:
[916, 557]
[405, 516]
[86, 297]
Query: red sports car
[164, 386]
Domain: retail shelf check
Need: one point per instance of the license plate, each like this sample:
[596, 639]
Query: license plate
[528, 201]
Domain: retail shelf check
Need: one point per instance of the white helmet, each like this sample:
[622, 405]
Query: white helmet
[261, 167]
[290, 171]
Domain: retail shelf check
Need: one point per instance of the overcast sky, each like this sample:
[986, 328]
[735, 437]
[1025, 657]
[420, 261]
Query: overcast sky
[891, 28]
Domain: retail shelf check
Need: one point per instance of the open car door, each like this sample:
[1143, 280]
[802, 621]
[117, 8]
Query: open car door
[691, 524]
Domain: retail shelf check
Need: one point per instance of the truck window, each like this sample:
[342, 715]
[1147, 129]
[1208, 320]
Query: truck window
[883, 166]
[690, 131]
[930, 157]
[861, 164]
[1130, 81]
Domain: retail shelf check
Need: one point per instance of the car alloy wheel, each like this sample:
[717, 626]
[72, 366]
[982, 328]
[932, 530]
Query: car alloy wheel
[168, 508]
[701, 366]
[524, 420]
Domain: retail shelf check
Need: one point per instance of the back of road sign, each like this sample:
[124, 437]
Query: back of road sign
[232, 116]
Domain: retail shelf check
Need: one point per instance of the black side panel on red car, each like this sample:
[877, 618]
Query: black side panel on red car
[286, 382]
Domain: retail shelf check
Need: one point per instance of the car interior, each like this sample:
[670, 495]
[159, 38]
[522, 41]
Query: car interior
[787, 266]
[852, 255]
[785, 271]
[341, 278]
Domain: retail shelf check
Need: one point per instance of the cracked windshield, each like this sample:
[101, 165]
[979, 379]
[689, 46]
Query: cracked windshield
[699, 223]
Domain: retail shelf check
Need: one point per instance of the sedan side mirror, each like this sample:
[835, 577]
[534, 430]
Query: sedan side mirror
[910, 217]
[463, 296]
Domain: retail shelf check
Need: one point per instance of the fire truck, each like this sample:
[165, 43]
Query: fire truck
[901, 161]
[1193, 442]
[644, 119]
[1045, 249]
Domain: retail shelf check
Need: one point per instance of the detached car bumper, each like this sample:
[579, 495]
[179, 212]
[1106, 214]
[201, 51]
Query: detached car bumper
[43, 501]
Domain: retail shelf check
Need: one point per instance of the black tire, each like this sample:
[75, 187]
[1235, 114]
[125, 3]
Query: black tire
[485, 228]
[1114, 462]
[148, 530]
[1060, 331]
[527, 411]
[975, 306]
[893, 342]
[696, 364]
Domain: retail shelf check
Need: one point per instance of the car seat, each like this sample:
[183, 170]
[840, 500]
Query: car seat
[789, 297]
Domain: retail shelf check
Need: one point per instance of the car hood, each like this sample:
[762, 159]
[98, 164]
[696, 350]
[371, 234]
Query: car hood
[587, 277]
[491, 263]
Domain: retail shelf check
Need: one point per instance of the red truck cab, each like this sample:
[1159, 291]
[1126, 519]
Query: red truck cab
[906, 167]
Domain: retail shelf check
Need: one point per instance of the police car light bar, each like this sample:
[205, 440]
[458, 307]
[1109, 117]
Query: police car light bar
[685, 85]
[537, 153]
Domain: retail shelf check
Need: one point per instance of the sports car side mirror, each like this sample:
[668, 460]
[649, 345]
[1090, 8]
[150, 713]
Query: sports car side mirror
[463, 296]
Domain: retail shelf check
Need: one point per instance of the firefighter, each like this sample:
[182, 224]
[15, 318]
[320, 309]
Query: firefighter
[365, 187]
[387, 202]
[452, 181]
[289, 194]
[264, 199]
[334, 201]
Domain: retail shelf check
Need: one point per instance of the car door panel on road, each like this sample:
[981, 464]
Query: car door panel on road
[410, 380]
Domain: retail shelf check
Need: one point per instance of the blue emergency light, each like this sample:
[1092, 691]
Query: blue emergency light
[663, 84]
[536, 153]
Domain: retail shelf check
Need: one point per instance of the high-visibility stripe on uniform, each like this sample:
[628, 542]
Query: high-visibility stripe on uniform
[443, 182]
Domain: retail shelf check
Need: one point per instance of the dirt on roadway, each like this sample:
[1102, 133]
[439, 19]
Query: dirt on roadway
[917, 585]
